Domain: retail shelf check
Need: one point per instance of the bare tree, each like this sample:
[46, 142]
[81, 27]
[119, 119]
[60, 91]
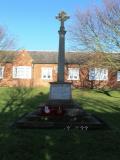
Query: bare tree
[6, 42]
[109, 19]
[98, 30]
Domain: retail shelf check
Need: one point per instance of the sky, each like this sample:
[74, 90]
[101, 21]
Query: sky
[32, 23]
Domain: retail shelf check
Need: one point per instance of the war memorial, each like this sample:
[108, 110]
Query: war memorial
[60, 110]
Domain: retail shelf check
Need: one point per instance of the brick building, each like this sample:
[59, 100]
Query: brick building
[34, 68]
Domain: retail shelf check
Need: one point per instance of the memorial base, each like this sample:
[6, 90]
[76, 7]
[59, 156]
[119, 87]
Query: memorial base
[60, 118]
[60, 112]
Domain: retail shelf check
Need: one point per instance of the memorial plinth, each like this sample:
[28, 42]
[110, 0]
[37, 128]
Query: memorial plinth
[60, 91]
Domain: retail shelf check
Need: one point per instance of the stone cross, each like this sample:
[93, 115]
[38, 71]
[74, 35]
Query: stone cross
[62, 17]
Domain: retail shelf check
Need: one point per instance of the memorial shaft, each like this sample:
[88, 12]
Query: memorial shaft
[61, 55]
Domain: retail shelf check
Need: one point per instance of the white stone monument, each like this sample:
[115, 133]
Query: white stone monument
[61, 90]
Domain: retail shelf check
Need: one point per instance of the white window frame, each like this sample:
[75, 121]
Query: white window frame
[2, 72]
[22, 72]
[118, 75]
[98, 74]
[71, 76]
[46, 73]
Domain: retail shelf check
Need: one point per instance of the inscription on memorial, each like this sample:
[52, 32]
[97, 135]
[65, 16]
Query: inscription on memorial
[60, 91]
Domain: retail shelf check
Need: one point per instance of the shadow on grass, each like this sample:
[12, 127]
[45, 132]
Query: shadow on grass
[19, 101]
[106, 109]
[107, 92]
[57, 144]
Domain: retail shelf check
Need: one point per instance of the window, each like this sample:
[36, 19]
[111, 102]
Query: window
[73, 73]
[98, 74]
[1, 72]
[118, 75]
[47, 73]
[22, 72]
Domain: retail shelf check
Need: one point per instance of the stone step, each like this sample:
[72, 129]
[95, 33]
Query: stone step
[73, 117]
[54, 125]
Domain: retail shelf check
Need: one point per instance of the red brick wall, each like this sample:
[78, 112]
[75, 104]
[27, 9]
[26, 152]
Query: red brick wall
[23, 59]
[113, 83]
[7, 76]
[84, 81]
[37, 81]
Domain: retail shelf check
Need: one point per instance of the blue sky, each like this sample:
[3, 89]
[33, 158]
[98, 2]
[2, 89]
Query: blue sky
[32, 22]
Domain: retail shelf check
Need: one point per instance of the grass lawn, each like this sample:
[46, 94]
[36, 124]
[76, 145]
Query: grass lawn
[38, 144]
